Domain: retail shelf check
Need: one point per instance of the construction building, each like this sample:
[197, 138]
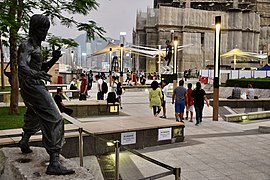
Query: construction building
[245, 25]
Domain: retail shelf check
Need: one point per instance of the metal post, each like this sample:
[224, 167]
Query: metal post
[159, 60]
[216, 67]
[121, 63]
[81, 146]
[117, 151]
[175, 42]
[110, 67]
[177, 173]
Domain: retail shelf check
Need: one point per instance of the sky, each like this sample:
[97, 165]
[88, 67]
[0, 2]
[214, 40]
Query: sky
[114, 16]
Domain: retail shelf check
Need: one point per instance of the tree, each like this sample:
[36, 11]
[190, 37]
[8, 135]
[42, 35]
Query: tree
[2, 63]
[16, 14]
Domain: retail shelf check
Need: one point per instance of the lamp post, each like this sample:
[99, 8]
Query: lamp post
[72, 61]
[216, 67]
[84, 58]
[175, 42]
[110, 67]
[159, 60]
[121, 62]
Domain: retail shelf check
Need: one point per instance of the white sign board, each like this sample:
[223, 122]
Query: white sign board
[128, 138]
[164, 134]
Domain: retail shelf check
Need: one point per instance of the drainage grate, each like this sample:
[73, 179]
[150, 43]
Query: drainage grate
[106, 163]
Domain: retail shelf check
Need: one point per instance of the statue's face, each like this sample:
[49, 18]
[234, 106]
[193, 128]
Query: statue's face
[41, 33]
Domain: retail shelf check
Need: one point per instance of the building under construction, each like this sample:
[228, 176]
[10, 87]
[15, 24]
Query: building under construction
[245, 25]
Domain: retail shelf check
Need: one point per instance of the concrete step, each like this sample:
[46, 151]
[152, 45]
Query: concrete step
[264, 129]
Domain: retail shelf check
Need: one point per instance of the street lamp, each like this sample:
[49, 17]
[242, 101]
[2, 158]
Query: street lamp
[175, 42]
[84, 58]
[159, 60]
[72, 60]
[121, 62]
[216, 67]
[110, 67]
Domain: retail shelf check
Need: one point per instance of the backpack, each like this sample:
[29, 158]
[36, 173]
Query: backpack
[119, 90]
[111, 98]
[104, 87]
[73, 87]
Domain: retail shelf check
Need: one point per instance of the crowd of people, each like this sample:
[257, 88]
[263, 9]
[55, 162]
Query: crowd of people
[185, 100]
[84, 85]
[182, 98]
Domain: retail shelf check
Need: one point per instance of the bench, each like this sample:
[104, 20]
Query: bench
[244, 103]
[92, 108]
[74, 94]
[136, 88]
[264, 129]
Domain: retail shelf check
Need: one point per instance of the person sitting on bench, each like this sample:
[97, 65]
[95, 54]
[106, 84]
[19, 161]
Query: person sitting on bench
[60, 104]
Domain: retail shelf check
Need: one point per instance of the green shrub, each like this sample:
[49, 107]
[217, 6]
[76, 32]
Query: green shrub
[260, 83]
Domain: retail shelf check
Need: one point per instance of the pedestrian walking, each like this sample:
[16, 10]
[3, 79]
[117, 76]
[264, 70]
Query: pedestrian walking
[90, 80]
[83, 87]
[100, 94]
[155, 97]
[179, 97]
[190, 103]
[164, 86]
[199, 97]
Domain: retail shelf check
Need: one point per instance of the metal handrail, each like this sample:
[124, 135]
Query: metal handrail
[150, 159]
[117, 144]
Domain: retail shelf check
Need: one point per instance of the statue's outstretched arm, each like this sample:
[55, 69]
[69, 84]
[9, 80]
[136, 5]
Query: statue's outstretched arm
[56, 54]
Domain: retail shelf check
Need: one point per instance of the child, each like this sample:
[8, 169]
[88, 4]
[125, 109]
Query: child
[155, 97]
[190, 103]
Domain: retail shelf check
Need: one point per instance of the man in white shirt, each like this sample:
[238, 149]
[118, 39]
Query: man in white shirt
[100, 94]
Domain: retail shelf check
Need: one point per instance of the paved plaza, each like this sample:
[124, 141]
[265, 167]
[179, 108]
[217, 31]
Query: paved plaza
[215, 150]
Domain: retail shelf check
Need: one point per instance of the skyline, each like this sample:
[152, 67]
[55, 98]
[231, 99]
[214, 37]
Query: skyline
[108, 17]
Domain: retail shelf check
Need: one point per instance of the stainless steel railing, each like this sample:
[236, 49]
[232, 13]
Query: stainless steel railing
[172, 171]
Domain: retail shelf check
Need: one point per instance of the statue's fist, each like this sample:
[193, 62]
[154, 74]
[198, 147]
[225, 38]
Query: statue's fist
[56, 54]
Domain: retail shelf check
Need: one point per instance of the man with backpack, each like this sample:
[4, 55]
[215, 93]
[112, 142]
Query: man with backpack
[102, 87]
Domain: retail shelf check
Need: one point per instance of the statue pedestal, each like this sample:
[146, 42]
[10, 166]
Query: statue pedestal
[15, 165]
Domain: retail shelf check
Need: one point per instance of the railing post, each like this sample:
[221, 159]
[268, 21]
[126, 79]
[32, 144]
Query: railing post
[81, 146]
[177, 173]
[117, 151]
